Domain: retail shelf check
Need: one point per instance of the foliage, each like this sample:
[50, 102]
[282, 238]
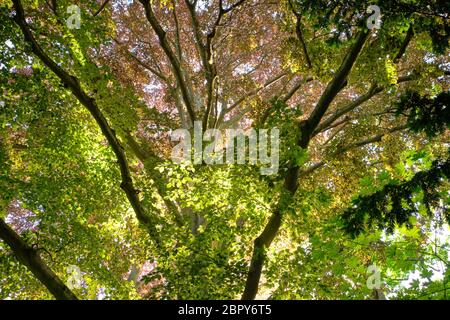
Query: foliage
[396, 203]
[367, 185]
[430, 115]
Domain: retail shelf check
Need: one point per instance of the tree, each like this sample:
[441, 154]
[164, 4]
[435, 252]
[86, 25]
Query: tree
[86, 171]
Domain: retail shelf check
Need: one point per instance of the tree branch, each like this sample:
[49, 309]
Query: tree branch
[286, 97]
[336, 84]
[29, 257]
[295, 88]
[298, 30]
[250, 94]
[376, 138]
[374, 90]
[177, 31]
[197, 35]
[149, 67]
[74, 85]
[358, 144]
[206, 57]
[211, 72]
[340, 112]
[290, 182]
[176, 66]
[408, 38]
[101, 8]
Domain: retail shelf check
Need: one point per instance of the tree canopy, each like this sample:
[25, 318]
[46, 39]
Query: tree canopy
[92, 205]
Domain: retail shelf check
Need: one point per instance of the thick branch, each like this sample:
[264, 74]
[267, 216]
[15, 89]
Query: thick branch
[340, 112]
[408, 38]
[211, 73]
[298, 30]
[336, 84]
[177, 31]
[160, 185]
[101, 8]
[258, 257]
[290, 182]
[52, 6]
[90, 104]
[374, 90]
[179, 74]
[197, 35]
[207, 61]
[29, 257]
